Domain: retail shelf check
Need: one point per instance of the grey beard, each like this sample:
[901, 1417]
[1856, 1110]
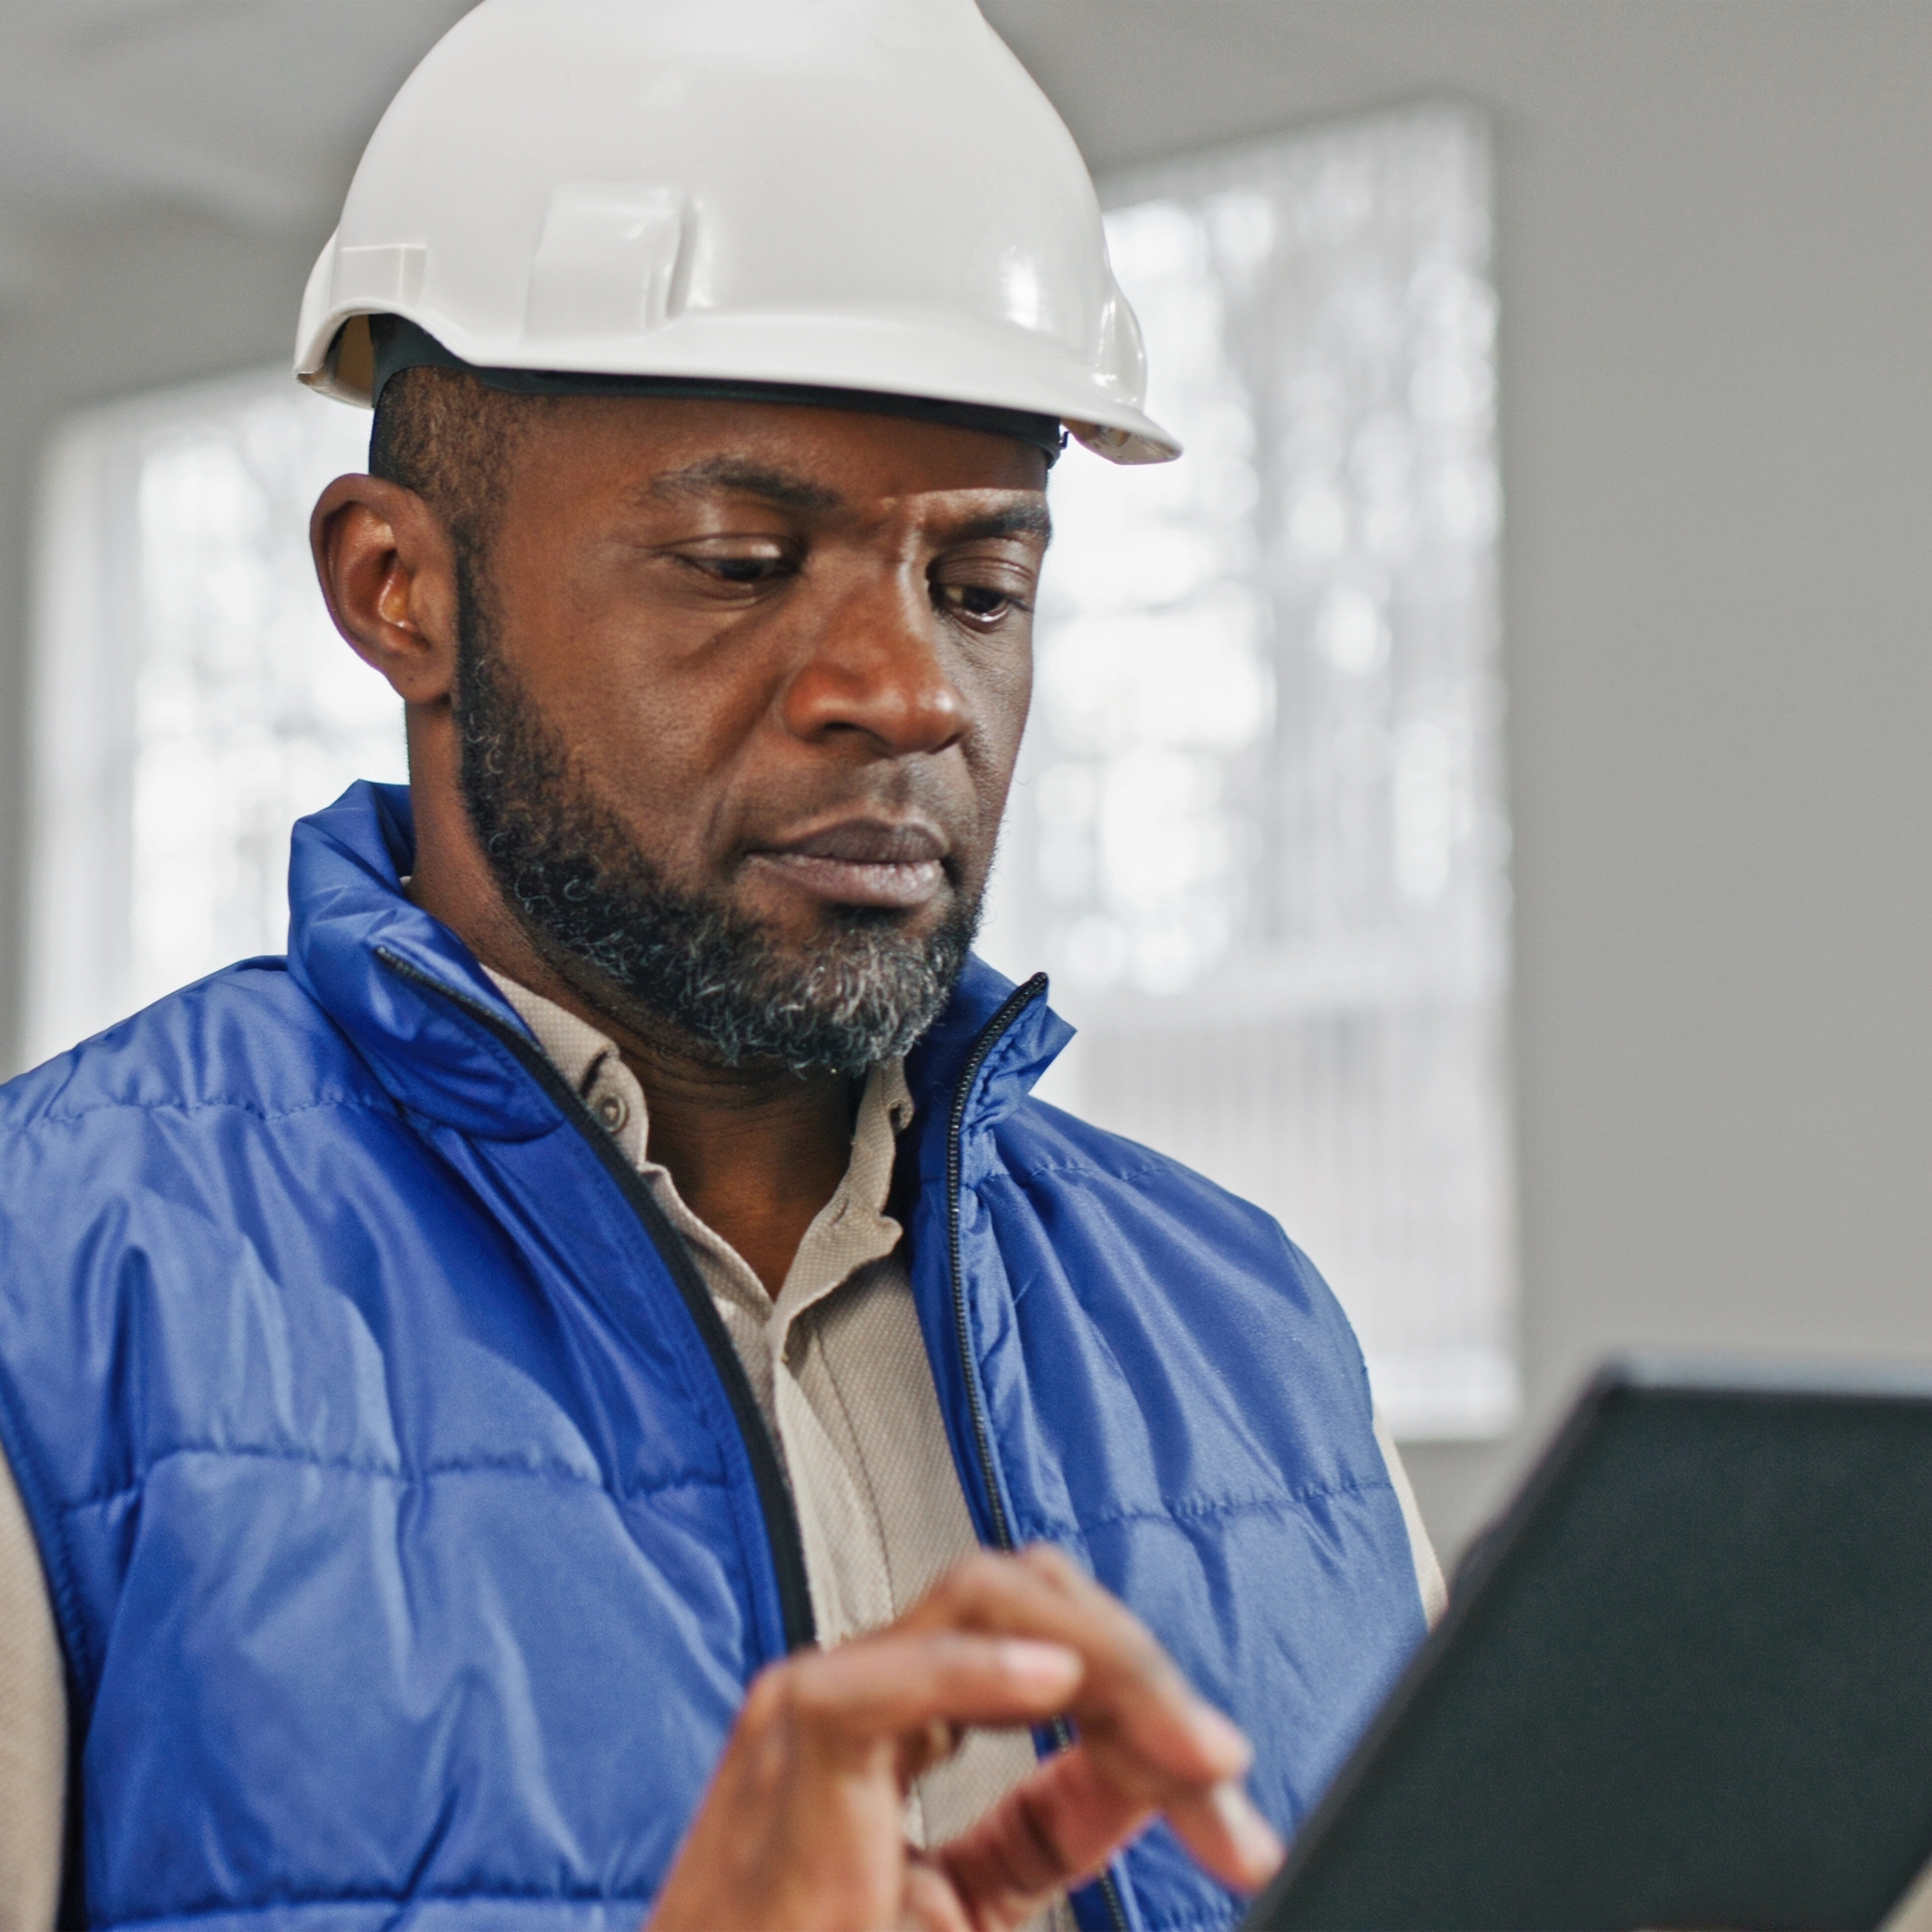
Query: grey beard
[587, 898]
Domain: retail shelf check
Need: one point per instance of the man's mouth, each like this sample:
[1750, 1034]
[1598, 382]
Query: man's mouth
[863, 862]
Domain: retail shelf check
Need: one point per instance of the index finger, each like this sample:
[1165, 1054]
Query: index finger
[1129, 1684]
[881, 1686]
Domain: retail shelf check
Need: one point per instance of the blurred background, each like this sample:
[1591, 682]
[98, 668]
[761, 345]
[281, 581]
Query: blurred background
[1477, 802]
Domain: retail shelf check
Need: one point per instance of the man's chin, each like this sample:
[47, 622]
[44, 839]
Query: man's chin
[833, 988]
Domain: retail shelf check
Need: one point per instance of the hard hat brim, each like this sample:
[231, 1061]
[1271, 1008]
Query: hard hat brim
[880, 354]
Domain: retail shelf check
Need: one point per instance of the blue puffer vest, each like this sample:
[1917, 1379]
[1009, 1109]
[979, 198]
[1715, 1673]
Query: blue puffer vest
[410, 1528]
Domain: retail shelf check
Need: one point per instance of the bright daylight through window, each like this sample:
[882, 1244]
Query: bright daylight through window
[193, 699]
[1258, 838]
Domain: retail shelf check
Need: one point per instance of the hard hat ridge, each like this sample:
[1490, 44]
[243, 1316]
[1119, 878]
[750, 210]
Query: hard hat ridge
[857, 196]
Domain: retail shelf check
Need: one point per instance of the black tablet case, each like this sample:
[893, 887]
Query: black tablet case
[1687, 1683]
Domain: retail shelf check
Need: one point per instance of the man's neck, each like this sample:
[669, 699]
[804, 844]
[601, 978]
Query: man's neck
[756, 1151]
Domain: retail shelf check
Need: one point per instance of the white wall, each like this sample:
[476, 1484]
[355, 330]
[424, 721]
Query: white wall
[1717, 311]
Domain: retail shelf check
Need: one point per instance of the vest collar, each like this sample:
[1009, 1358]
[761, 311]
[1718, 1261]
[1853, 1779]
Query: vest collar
[421, 1009]
[398, 982]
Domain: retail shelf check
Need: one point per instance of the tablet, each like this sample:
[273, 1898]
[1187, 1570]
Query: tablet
[1687, 1682]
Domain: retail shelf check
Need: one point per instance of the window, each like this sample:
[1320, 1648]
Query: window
[1258, 836]
[192, 697]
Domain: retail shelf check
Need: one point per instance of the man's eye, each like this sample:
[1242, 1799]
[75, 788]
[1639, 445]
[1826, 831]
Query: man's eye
[727, 569]
[979, 603]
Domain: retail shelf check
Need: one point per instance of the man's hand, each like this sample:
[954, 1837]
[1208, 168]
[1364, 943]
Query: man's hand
[801, 1830]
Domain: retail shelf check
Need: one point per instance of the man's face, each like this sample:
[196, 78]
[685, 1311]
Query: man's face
[741, 693]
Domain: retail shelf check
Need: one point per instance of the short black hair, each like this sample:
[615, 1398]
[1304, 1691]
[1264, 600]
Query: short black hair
[450, 438]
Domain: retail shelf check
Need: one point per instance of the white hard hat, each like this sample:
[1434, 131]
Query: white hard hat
[846, 195]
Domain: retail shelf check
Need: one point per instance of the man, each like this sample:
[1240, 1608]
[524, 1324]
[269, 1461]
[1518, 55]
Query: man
[589, 1393]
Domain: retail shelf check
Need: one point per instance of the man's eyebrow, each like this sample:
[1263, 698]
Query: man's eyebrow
[788, 490]
[1026, 519]
[791, 491]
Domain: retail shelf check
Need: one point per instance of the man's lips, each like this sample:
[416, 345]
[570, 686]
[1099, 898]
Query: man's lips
[863, 862]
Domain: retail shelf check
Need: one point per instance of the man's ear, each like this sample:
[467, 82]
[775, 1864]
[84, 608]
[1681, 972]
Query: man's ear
[388, 573]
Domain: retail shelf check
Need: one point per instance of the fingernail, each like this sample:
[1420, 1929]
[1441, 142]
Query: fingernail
[1224, 1738]
[1049, 1667]
[1255, 1841]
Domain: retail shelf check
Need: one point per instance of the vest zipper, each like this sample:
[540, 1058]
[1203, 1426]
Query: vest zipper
[775, 1500]
[996, 1029]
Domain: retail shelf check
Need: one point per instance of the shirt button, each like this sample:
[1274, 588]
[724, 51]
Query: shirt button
[610, 1108]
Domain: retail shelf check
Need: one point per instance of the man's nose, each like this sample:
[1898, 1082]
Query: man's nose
[873, 671]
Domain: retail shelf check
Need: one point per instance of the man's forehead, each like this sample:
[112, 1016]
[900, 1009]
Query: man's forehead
[805, 454]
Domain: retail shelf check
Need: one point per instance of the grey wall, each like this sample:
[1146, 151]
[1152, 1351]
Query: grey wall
[1716, 279]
